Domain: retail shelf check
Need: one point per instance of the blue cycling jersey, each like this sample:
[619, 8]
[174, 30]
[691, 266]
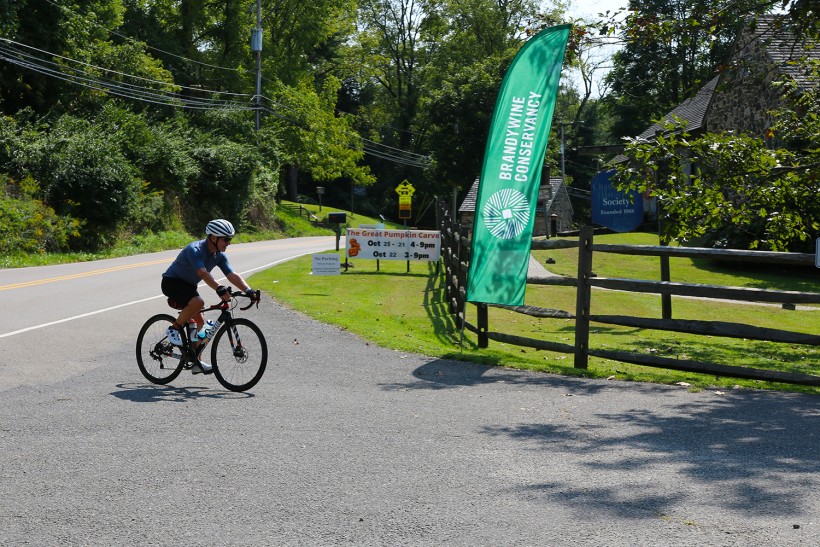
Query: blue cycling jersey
[193, 257]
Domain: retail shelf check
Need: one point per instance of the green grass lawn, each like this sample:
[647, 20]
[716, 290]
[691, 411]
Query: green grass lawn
[407, 312]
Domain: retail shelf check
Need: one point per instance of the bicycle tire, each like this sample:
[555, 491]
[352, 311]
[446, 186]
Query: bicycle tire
[239, 368]
[158, 360]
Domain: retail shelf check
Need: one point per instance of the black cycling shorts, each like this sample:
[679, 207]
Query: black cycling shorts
[178, 290]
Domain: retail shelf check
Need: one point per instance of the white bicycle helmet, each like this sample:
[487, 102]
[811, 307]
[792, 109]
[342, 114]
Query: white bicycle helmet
[220, 228]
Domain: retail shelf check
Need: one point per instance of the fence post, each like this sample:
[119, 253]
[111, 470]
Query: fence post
[666, 299]
[483, 324]
[452, 270]
[583, 298]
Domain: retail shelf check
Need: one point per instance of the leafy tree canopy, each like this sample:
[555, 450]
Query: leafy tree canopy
[742, 192]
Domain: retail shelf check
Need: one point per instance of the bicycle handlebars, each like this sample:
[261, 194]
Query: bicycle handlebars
[257, 296]
[223, 304]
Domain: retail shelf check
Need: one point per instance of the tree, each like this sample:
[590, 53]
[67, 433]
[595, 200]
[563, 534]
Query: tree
[87, 177]
[51, 42]
[314, 139]
[743, 193]
[671, 49]
[394, 52]
[471, 44]
[459, 112]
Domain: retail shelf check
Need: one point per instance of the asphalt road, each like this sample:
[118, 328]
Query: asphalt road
[343, 442]
[65, 314]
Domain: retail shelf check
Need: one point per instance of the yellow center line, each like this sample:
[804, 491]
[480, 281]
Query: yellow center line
[79, 275]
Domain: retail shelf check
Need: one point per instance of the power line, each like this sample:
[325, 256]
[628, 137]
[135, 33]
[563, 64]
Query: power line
[395, 159]
[15, 53]
[11, 52]
[369, 147]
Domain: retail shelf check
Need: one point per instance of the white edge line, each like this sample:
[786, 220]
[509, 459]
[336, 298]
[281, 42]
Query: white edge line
[43, 325]
[35, 327]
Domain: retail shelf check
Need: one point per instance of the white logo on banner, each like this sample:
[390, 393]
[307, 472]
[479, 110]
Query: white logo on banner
[506, 213]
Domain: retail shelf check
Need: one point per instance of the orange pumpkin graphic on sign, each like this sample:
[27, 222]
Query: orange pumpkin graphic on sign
[353, 248]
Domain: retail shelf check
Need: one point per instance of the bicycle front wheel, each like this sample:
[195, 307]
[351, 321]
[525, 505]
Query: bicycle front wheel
[239, 355]
[158, 360]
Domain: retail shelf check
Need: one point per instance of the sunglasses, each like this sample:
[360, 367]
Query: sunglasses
[226, 239]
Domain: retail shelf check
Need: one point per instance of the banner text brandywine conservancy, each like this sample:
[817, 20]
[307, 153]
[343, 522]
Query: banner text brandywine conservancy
[518, 143]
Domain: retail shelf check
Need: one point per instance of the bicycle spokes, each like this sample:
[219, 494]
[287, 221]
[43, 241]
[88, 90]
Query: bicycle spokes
[239, 355]
[158, 360]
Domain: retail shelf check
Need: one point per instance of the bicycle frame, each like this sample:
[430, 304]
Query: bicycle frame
[225, 319]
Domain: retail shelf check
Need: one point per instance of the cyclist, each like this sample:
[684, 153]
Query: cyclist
[194, 264]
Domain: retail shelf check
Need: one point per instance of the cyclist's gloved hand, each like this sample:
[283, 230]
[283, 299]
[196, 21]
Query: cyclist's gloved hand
[252, 294]
[222, 290]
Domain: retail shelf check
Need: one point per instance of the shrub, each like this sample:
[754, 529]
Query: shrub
[27, 225]
[224, 183]
[88, 178]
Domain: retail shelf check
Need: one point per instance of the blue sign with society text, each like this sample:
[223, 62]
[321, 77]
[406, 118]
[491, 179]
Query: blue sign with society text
[618, 211]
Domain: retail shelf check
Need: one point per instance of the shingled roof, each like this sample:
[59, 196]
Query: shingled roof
[784, 51]
[784, 48]
[693, 110]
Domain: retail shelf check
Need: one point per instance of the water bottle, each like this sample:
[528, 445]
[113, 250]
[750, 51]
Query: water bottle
[191, 330]
[208, 330]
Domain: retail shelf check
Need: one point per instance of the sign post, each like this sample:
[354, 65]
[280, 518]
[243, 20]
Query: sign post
[817, 254]
[320, 191]
[338, 219]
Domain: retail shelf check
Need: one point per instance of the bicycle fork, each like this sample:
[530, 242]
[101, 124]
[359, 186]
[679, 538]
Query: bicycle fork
[236, 344]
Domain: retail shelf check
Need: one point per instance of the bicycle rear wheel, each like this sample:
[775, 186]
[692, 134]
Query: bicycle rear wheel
[158, 360]
[239, 355]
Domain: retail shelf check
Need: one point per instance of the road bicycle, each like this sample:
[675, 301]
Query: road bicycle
[239, 352]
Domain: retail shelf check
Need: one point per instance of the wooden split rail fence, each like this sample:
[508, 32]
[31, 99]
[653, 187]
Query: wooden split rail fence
[455, 250]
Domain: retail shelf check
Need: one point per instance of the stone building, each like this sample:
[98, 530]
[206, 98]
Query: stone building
[553, 212]
[742, 97]
[745, 95]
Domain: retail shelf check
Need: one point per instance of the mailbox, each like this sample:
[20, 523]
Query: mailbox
[337, 218]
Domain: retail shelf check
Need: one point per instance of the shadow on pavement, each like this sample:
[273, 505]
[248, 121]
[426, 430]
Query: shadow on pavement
[754, 452]
[447, 373]
[150, 393]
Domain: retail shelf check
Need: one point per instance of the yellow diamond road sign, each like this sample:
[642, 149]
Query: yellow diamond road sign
[405, 189]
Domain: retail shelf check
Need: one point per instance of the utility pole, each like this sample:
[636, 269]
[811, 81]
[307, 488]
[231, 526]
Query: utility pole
[561, 125]
[256, 46]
